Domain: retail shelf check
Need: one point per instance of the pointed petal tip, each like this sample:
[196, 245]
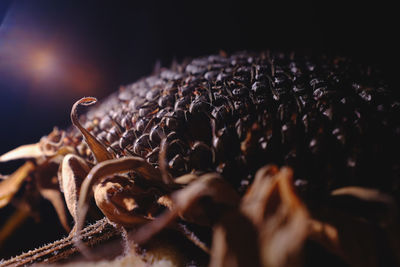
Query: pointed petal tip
[22, 152]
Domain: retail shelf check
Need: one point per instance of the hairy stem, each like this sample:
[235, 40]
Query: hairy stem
[64, 248]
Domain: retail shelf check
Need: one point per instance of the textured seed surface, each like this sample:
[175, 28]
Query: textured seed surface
[335, 122]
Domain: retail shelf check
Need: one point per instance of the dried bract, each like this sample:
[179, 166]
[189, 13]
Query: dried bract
[22, 152]
[98, 149]
[73, 171]
[10, 186]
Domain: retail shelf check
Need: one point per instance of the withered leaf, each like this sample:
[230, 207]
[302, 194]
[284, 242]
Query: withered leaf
[99, 150]
[11, 185]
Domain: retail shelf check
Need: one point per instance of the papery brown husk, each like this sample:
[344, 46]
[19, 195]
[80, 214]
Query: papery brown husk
[361, 226]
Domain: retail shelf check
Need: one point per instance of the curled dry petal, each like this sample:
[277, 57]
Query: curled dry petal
[186, 179]
[51, 143]
[11, 185]
[99, 150]
[73, 171]
[22, 152]
[254, 202]
[162, 159]
[325, 234]
[282, 220]
[366, 203]
[166, 201]
[186, 204]
[35, 151]
[59, 155]
[107, 168]
[362, 227]
[55, 138]
[95, 176]
[364, 194]
[208, 185]
[120, 199]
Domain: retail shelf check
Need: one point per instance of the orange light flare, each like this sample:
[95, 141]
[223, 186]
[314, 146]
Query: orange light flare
[49, 67]
[54, 71]
[43, 63]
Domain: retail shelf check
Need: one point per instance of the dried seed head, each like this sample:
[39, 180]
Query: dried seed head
[296, 103]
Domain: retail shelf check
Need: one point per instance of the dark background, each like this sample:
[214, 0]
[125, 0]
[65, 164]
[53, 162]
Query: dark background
[95, 46]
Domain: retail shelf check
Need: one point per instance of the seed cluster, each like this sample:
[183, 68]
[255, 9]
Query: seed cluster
[330, 119]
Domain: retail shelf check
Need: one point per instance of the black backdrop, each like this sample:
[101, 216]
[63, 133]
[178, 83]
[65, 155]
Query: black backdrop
[122, 40]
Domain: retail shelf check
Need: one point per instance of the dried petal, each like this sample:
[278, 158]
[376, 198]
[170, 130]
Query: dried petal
[47, 184]
[99, 150]
[235, 242]
[254, 202]
[361, 224]
[73, 171]
[112, 167]
[22, 152]
[56, 199]
[281, 218]
[325, 234]
[13, 223]
[349, 238]
[95, 176]
[58, 156]
[162, 159]
[11, 185]
[366, 203]
[364, 194]
[186, 203]
[166, 201]
[186, 179]
[120, 199]
[51, 143]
